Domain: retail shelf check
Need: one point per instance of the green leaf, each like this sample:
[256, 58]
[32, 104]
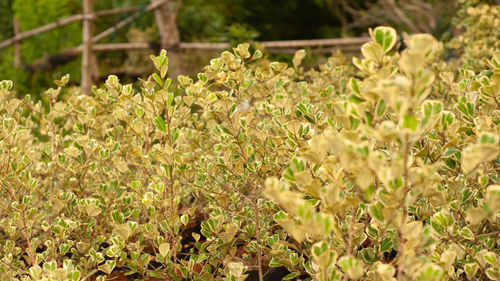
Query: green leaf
[185, 219]
[164, 249]
[372, 51]
[104, 153]
[490, 258]
[157, 78]
[160, 124]
[381, 106]
[170, 98]
[355, 99]
[319, 248]
[351, 266]
[163, 70]
[155, 274]
[50, 266]
[493, 273]
[470, 270]
[163, 56]
[384, 36]
[108, 266]
[74, 275]
[355, 86]
[291, 276]
[427, 106]
[487, 138]
[257, 54]
[376, 211]
[155, 61]
[279, 84]
[279, 216]
[466, 233]
[431, 272]
[174, 134]
[202, 77]
[298, 57]
[386, 245]
[225, 130]
[451, 151]
[410, 122]
[272, 240]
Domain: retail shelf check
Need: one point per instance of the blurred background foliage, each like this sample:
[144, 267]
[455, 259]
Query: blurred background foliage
[232, 21]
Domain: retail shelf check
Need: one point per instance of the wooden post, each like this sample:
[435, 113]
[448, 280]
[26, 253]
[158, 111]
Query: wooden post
[88, 10]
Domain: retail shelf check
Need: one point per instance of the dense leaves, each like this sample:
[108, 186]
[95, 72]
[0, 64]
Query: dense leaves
[385, 171]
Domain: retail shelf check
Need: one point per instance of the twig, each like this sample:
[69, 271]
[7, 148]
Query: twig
[406, 188]
[257, 230]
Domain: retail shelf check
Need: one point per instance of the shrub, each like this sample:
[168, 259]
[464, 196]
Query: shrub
[477, 21]
[388, 172]
[404, 185]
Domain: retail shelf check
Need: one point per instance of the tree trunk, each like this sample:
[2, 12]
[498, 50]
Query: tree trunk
[88, 9]
[165, 16]
[17, 46]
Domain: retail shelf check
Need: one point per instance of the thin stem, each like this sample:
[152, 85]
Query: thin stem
[52, 148]
[28, 239]
[257, 229]
[350, 237]
[172, 214]
[405, 209]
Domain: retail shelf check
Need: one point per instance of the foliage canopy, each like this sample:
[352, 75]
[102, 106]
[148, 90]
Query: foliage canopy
[383, 169]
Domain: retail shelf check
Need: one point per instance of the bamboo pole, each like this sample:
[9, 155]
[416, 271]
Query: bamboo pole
[88, 9]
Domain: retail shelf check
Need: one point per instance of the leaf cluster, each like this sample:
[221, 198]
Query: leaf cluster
[385, 171]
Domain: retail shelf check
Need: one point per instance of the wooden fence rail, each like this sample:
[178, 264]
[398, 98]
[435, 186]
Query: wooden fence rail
[272, 46]
[351, 45]
[23, 35]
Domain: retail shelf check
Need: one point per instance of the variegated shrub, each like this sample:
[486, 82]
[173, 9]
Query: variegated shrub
[387, 172]
[404, 185]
